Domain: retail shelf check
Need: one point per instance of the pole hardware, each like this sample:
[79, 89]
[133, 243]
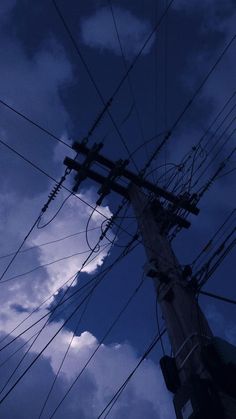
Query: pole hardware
[118, 170]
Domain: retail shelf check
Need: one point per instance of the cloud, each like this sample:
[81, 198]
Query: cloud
[98, 31]
[221, 327]
[145, 394]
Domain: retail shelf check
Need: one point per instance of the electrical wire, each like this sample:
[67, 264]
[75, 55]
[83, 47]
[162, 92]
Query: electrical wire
[125, 64]
[188, 104]
[92, 79]
[221, 252]
[87, 229]
[49, 264]
[129, 246]
[20, 247]
[55, 215]
[115, 321]
[210, 242]
[48, 298]
[204, 188]
[227, 173]
[72, 278]
[64, 358]
[153, 138]
[49, 242]
[54, 180]
[218, 297]
[198, 147]
[43, 210]
[63, 186]
[46, 131]
[114, 399]
[158, 326]
[213, 159]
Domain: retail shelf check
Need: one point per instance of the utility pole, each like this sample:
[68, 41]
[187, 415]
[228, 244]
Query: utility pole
[202, 371]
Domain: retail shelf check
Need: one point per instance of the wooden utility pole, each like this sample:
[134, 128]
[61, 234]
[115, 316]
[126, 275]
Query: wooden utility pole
[201, 373]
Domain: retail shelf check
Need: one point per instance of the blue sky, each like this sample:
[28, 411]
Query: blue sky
[43, 78]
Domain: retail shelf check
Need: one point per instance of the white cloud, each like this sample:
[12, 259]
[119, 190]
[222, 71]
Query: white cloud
[145, 395]
[98, 31]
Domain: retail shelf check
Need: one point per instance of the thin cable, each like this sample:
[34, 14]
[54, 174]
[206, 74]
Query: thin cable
[128, 249]
[87, 229]
[20, 247]
[115, 321]
[158, 325]
[218, 297]
[105, 104]
[34, 123]
[30, 347]
[49, 264]
[187, 106]
[64, 357]
[227, 173]
[64, 187]
[228, 138]
[198, 146]
[122, 387]
[56, 333]
[202, 190]
[125, 64]
[55, 215]
[209, 243]
[50, 242]
[72, 278]
[54, 180]
[153, 138]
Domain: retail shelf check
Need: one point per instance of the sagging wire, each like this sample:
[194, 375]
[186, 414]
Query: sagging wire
[36, 223]
[87, 229]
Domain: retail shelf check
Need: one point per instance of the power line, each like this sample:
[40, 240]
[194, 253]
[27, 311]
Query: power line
[218, 297]
[31, 345]
[115, 321]
[43, 210]
[34, 123]
[19, 248]
[72, 278]
[123, 254]
[63, 186]
[56, 214]
[127, 250]
[49, 242]
[114, 399]
[187, 106]
[125, 63]
[54, 180]
[217, 153]
[63, 359]
[92, 79]
[50, 263]
[198, 146]
[210, 242]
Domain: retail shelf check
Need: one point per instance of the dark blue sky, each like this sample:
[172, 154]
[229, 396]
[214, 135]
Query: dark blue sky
[43, 77]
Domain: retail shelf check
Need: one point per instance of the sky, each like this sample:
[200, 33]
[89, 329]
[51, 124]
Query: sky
[43, 78]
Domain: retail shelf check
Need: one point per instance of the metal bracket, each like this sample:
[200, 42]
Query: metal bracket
[115, 173]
